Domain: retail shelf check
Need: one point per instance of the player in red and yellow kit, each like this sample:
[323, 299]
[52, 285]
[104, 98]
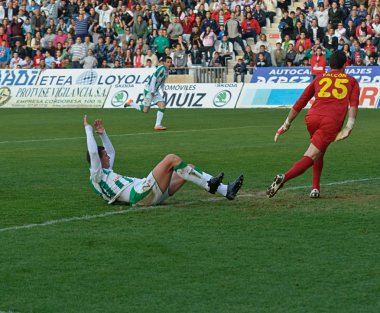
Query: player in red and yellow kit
[335, 93]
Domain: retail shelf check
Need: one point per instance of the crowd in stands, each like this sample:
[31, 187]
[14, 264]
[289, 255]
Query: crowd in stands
[133, 34]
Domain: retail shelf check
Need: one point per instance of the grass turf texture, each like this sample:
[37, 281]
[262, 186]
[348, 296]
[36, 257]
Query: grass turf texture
[194, 254]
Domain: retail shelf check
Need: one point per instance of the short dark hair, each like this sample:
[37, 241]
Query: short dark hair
[100, 153]
[167, 58]
[337, 60]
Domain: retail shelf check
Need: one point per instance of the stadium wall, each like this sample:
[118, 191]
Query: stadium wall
[110, 88]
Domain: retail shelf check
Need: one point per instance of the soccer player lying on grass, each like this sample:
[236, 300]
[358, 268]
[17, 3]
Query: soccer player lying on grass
[164, 181]
[152, 94]
[334, 93]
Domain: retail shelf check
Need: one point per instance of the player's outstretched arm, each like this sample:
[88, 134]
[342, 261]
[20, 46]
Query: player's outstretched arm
[288, 122]
[99, 128]
[92, 148]
[346, 131]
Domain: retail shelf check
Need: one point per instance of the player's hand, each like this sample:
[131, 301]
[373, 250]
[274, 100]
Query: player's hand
[343, 134]
[98, 125]
[85, 122]
[282, 130]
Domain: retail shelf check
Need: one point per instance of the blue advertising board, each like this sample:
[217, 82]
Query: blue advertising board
[364, 74]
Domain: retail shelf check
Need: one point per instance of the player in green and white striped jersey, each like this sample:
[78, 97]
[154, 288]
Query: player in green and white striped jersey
[165, 180]
[152, 93]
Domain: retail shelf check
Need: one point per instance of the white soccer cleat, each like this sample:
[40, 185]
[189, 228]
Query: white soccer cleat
[277, 184]
[314, 194]
[159, 127]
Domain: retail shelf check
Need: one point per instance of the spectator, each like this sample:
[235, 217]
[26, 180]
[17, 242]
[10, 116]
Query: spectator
[16, 30]
[270, 9]
[261, 42]
[180, 59]
[233, 30]
[89, 61]
[81, 25]
[195, 55]
[279, 54]
[161, 43]
[208, 40]
[336, 15]
[240, 69]
[15, 61]
[286, 42]
[78, 53]
[152, 57]
[266, 54]
[260, 60]
[49, 36]
[208, 21]
[372, 61]
[299, 56]
[140, 28]
[49, 59]
[358, 61]
[36, 44]
[104, 14]
[330, 41]
[138, 59]
[128, 59]
[88, 44]
[37, 21]
[5, 54]
[148, 63]
[375, 25]
[25, 51]
[100, 51]
[286, 25]
[174, 31]
[249, 58]
[27, 63]
[317, 60]
[216, 60]
[4, 36]
[250, 27]
[291, 53]
[363, 32]
[60, 38]
[283, 5]
[322, 16]
[354, 18]
[225, 49]
[187, 27]
[61, 27]
[259, 15]
[104, 64]
[298, 30]
[303, 41]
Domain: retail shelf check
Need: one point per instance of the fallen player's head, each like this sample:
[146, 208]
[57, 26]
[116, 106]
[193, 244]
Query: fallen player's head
[338, 60]
[104, 158]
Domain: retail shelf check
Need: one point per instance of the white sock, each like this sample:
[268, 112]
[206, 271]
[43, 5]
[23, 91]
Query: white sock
[222, 189]
[193, 175]
[160, 116]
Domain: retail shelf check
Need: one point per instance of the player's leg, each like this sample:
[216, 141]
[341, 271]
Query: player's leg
[160, 115]
[144, 107]
[173, 163]
[311, 154]
[317, 173]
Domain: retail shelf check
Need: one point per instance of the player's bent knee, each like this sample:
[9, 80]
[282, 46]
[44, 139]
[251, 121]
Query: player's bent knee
[173, 159]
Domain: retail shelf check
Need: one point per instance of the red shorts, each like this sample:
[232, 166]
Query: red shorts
[323, 130]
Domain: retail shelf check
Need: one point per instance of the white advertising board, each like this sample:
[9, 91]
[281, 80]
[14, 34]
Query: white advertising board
[219, 96]
[53, 96]
[285, 95]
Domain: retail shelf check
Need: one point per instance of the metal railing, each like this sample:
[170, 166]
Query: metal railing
[203, 74]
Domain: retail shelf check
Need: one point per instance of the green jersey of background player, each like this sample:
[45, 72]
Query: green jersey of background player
[152, 93]
[167, 177]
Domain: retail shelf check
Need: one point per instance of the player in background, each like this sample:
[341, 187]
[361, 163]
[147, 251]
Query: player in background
[335, 93]
[152, 93]
[163, 181]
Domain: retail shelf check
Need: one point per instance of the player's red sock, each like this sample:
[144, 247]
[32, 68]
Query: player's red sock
[299, 168]
[317, 172]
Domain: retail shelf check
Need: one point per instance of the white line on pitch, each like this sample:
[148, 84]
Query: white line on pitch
[134, 134]
[137, 209]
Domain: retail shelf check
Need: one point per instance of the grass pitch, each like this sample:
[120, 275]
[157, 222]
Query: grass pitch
[198, 252]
